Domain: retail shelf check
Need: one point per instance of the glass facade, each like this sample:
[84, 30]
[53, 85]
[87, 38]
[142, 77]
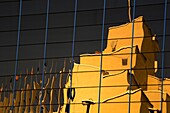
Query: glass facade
[84, 56]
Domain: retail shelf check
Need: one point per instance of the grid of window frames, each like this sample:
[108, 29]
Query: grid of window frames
[84, 56]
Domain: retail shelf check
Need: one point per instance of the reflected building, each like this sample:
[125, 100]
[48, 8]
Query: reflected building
[123, 76]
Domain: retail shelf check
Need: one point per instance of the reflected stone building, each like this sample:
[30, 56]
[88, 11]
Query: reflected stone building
[121, 78]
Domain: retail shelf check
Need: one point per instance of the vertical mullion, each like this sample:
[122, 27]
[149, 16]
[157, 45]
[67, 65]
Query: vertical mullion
[101, 57]
[44, 55]
[73, 49]
[17, 52]
[163, 54]
[131, 53]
